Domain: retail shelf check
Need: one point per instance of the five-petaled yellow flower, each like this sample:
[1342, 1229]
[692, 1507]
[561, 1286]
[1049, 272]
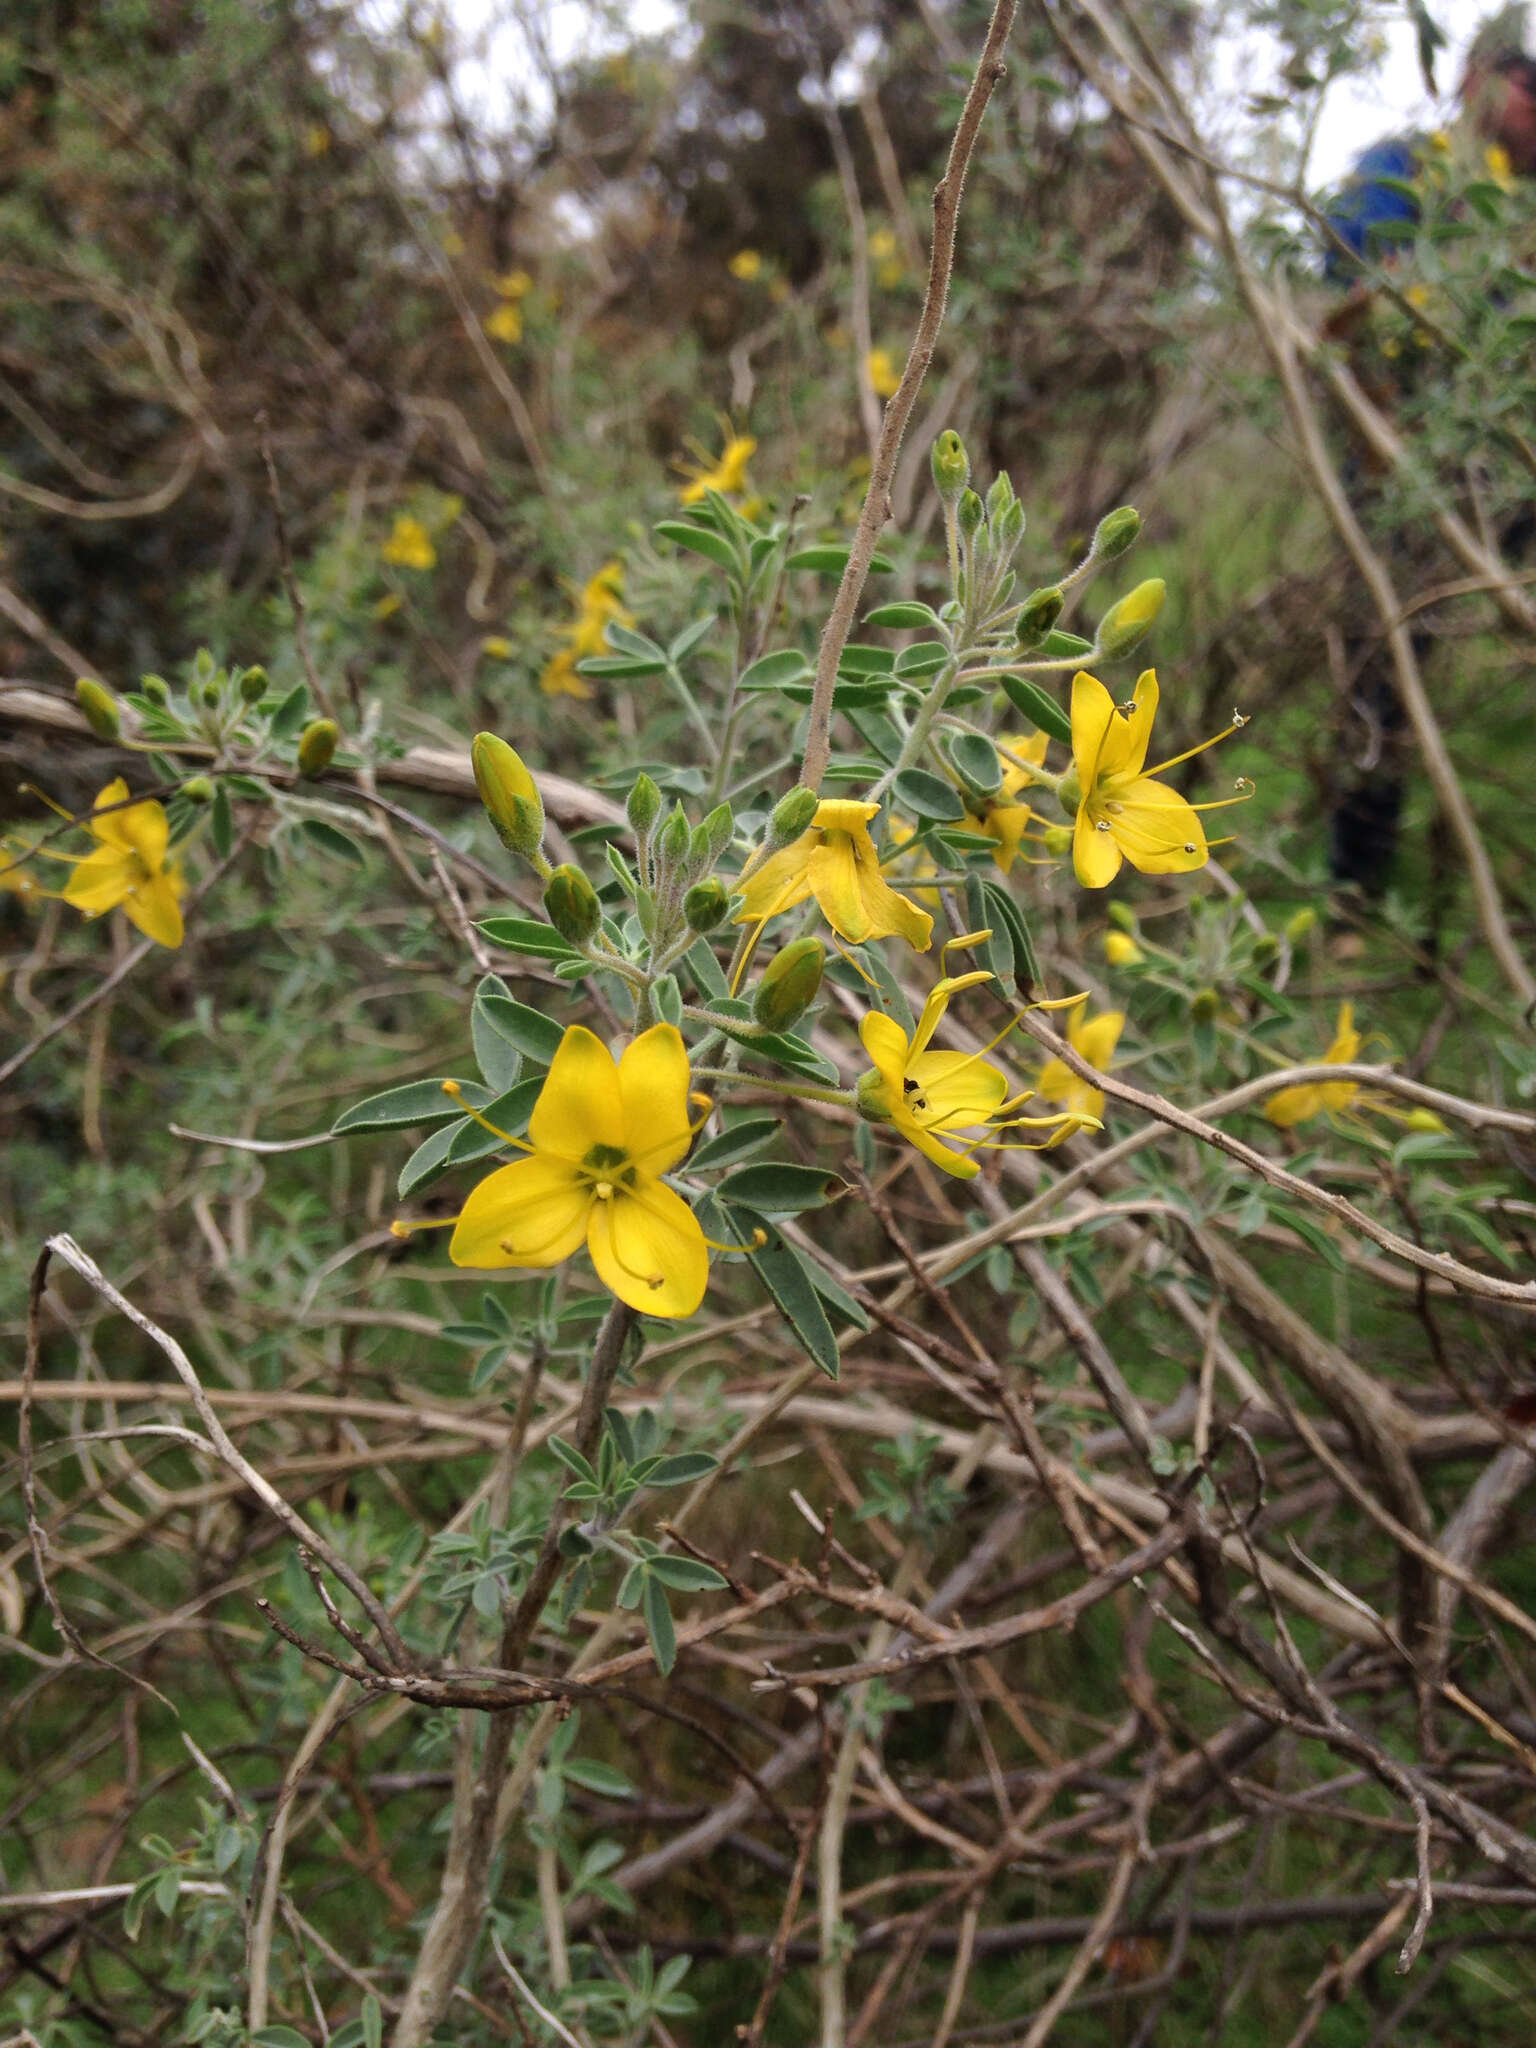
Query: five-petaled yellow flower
[728, 475]
[835, 861]
[1122, 813]
[1310, 1098]
[931, 1096]
[602, 1134]
[409, 545]
[129, 867]
[998, 817]
[1093, 1039]
[598, 602]
[505, 323]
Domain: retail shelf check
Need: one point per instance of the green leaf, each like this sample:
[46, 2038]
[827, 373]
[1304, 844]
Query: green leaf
[902, 616]
[788, 1189]
[922, 658]
[1065, 646]
[682, 1469]
[686, 1574]
[1309, 1233]
[701, 540]
[1039, 706]
[373, 2022]
[658, 1622]
[527, 935]
[599, 1777]
[922, 795]
[168, 1889]
[277, 2037]
[858, 660]
[680, 648]
[571, 1458]
[530, 1031]
[976, 759]
[628, 641]
[619, 666]
[787, 1277]
[291, 713]
[832, 561]
[996, 952]
[736, 1141]
[787, 665]
[430, 1157]
[226, 1849]
[221, 822]
[329, 840]
[418, 1102]
[508, 1112]
[706, 969]
[1003, 913]
[497, 1053]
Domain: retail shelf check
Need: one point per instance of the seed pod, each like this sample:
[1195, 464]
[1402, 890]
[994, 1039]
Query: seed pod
[705, 904]
[1116, 532]
[1124, 624]
[571, 905]
[100, 708]
[317, 747]
[789, 984]
[509, 793]
[951, 465]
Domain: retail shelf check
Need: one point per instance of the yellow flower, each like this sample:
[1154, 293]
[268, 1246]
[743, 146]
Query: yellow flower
[1122, 813]
[997, 818]
[1310, 1098]
[1496, 162]
[930, 1096]
[496, 647]
[598, 602]
[884, 377]
[728, 475]
[505, 324]
[835, 861]
[602, 1134]
[129, 868]
[746, 265]
[1093, 1039]
[1121, 950]
[514, 284]
[922, 863]
[409, 545]
[317, 140]
[882, 245]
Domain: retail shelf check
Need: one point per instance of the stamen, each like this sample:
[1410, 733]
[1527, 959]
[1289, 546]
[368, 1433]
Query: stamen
[1190, 752]
[759, 1239]
[455, 1089]
[400, 1228]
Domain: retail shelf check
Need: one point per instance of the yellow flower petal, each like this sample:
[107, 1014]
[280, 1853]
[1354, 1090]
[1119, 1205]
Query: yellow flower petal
[886, 1043]
[1093, 713]
[531, 1213]
[580, 1104]
[960, 1090]
[1096, 857]
[780, 883]
[154, 907]
[1124, 747]
[648, 1248]
[1095, 1038]
[1156, 829]
[100, 881]
[653, 1093]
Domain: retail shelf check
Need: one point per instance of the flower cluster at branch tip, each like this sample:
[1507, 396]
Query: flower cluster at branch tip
[129, 867]
[929, 1097]
[835, 861]
[726, 473]
[599, 604]
[602, 1134]
[999, 818]
[1093, 1039]
[1123, 813]
[409, 545]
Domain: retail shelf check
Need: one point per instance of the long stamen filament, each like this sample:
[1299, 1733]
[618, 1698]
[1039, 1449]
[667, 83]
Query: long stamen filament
[455, 1089]
[1190, 752]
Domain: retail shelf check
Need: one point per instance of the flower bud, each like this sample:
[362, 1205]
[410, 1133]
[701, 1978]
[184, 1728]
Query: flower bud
[1058, 840]
[317, 747]
[1121, 950]
[705, 904]
[672, 840]
[1422, 1119]
[1008, 528]
[717, 829]
[1042, 608]
[999, 497]
[1205, 1006]
[789, 984]
[792, 814]
[197, 789]
[969, 512]
[1124, 624]
[509, 793]
[1266, 949]
[571, 905]
[1298, 927]
[253, 685]
[99, 706]
[1116, 532]
[156, 689]
[1121, 914]
[644, 805]
[210, 695]
[951, 465]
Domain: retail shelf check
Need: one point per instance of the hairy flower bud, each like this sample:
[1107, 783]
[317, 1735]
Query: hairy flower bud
[1129, 621]
[999, 497]
[317, 747]
[969, 512]
[1116, 532]
[1266, 949]
[197, 789]
[673, 839]
[706, 904]
[1205, 1005]
[99, 706]
[571, 905]
[1041, 610]
[1121, 914]
[789, 984]
[792, 815]
[717, 829]
[509, 793]
[644, 805]
[951, 465]
[156, 689]
[1058, 840]
[1298, 927]
[253, 684]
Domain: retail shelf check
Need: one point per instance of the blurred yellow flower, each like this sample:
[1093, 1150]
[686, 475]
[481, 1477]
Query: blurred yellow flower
[1499, 168]
[496, 647]
[999, 818]
[1093, 1039]
[598, 602]
[1121, 950]
[728, 475]
[129, 867]
[409, 545]
[1310, 1098]
[884, 377]
[317, 140]
[453, 242]
[505, 324]
[886, 257]
[746, 265]
[513, 284]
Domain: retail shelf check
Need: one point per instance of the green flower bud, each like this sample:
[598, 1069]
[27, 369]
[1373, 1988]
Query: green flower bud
[999, 498]
[1128, 622]
[156, 689]
[253, 684]
[717, 829]
[869, 1097]
[1042, 608]
[699, 855]
[672, 840]
[100, 708]
[969, 512]
[1008, 527]
[792, 815]
[1116, 532]
[210, 695]
[509, 793]
[1205, 1005]
[1266, 949]
[1121, 914]
[197, 789]
[1058, 840]
[644, 805]
[1298, 927]
[317, 747]
[951, 465]
[706, 904]
[571, 905]
[789, 984]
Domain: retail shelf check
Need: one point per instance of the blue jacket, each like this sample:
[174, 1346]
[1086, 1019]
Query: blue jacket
[1365, 205]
